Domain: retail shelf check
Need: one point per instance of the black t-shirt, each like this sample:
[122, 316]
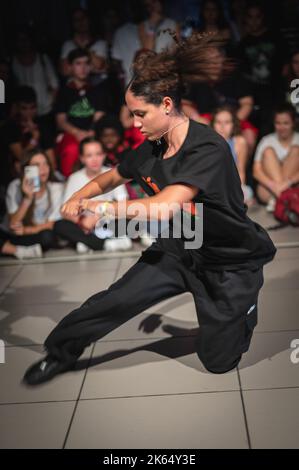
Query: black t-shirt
[227, 91]
[231, 240]
[80, 105]
[262, 57]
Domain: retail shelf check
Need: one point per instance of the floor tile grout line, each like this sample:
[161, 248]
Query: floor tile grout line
[263, 389]
[244, 410]
[85, 374]
[77, 401]
[161, 395]
[122, 397]
[148, 396]
[2, 292]
[37, 402]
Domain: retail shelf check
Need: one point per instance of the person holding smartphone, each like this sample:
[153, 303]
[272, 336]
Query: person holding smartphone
[33, 204]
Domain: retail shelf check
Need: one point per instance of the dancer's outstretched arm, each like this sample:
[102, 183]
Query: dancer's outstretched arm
[101, 184]
[161, 206]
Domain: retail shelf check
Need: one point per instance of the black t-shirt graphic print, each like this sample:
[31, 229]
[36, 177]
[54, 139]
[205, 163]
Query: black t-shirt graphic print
[231, 240]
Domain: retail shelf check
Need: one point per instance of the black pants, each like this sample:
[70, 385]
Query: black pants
[226, 305]
[45, 238]
[71, 232]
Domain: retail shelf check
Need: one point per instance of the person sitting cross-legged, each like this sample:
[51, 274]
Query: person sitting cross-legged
[80, 230]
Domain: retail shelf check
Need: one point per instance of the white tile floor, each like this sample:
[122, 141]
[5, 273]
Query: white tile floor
[146, 390]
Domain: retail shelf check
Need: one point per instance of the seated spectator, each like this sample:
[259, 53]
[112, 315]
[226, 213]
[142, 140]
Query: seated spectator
[226, 123]
[111, 135]
[8, 248]
[32, 215]
[25, 131]
[276, 160]
[33, 69]
[79, 230]
[224, 86]
[83, 38]
[152, 34]
[78, 107]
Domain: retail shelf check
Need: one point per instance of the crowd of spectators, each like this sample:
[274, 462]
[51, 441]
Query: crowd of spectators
[64, 110]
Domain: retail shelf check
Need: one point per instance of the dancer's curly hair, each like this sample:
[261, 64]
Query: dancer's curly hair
[156, 75]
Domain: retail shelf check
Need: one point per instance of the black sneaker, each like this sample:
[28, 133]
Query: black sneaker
[45, 370]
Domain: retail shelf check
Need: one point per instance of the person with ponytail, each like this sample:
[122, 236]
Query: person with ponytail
[186, 165]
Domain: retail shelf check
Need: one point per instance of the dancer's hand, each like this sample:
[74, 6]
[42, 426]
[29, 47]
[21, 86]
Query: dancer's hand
[71, 208]
[89, 205]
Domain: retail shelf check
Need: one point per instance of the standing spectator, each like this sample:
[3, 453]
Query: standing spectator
[276, 161]
[32, 215]
[152, 32]
[80, 229]
[261, 54]
[78, 107]
[226, 123]
[35, 70]
[83, 38]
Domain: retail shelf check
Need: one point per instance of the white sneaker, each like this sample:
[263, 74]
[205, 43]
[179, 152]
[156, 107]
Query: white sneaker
[118, 244]
[82, 249]
[271, 205]
[33, 251]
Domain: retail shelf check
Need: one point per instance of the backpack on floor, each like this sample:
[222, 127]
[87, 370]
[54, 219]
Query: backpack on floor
[287, 207]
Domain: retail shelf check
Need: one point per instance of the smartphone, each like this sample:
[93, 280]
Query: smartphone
[32, 175]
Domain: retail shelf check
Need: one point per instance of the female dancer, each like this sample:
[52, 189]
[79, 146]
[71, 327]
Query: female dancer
[180, 162]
